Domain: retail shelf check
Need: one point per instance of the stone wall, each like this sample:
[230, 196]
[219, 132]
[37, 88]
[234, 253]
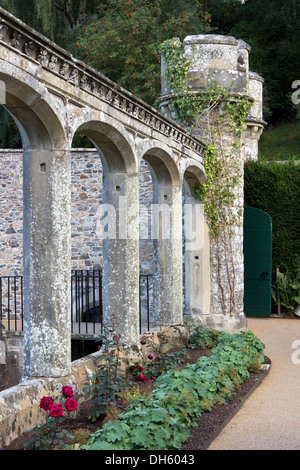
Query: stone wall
[86, 174]
[11, 213]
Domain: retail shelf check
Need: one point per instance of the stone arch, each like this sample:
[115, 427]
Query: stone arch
[33, 110]
[46, 225]
[119, 226]
[163, 166]
[197, 247]
[166, 235]
[114, 148]
[193, 175]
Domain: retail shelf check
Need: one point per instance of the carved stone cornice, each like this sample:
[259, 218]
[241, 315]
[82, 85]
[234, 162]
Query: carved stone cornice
[35, 47]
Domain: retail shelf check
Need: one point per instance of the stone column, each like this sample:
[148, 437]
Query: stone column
[197, 260]
[120, 226]
[167, 260]
[47, 263]
[255, 122]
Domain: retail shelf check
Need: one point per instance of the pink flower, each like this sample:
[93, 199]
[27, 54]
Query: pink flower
[142, 377]
[143, 341]
[67, 391]
[46, 403]
[71, 404]
[56, 410]
[150, 356]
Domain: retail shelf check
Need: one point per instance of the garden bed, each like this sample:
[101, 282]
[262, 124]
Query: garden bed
[209, 424]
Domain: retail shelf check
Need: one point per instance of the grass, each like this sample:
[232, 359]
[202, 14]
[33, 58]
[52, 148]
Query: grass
[281, 141]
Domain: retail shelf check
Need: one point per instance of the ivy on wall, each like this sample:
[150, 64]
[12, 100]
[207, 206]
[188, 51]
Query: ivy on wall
[218, 115]
[221, 115]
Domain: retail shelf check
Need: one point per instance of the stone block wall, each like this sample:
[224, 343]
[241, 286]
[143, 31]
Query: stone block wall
[86, 180]
[11, 213]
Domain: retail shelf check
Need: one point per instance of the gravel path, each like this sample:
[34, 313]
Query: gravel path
[270, 418]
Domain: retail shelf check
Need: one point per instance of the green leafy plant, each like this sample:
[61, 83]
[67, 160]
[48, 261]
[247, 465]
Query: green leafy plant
[128, 395]
[288, 290]
[104, 386]
[179, 397]
[52, 434]
[203, 337]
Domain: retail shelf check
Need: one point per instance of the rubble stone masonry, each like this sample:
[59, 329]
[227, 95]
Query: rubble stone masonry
[86, 177]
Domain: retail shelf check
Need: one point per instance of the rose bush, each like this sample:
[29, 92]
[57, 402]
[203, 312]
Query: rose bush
[48, 436]
[179, 397]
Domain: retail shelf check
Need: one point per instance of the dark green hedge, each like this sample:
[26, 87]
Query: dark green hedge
[275, 188]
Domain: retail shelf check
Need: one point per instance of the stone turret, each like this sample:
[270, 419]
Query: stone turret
[223, 60]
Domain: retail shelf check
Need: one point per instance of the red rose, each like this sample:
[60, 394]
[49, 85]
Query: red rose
[56, 411]
[46, 403]
[132, 367]
[141, 368]
[142, 377]
[67, 391]
[71, 404]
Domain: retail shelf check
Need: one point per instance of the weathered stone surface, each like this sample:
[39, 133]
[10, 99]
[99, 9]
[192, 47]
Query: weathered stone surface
[224, 61]
[52, 96]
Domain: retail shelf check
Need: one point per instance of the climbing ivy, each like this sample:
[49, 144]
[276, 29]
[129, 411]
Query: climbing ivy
[219, 115]
[212, 109]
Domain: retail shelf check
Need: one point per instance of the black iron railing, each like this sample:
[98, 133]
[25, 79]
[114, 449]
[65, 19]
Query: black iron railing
[11, 302]
[86, 302]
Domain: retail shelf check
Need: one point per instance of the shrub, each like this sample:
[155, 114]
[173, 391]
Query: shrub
[122, 42]
[178, 399]
[275, 188]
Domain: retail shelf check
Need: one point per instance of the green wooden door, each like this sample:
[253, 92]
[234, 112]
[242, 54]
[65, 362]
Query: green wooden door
[257, 262]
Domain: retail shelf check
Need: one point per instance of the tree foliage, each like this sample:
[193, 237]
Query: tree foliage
[123, 41]
[121, 38]
[59, 20]
[272, 29]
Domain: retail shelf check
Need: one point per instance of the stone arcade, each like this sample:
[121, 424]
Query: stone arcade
[51, 95]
